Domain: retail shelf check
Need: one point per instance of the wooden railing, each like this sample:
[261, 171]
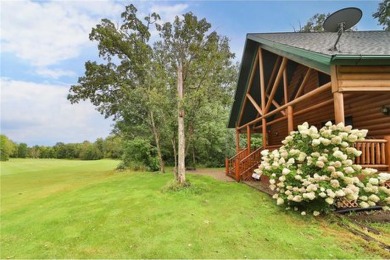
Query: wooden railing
[375, 153]
[242, 165]
[248, 164]
[232, 164]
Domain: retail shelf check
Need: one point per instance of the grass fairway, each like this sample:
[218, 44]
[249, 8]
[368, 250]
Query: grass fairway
[80, 209]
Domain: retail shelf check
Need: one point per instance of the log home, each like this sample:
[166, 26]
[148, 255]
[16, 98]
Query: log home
[287, 79]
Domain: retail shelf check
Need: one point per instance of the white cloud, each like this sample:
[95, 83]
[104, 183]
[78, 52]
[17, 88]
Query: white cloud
[55, 73]
[45, 33]
[41, 114]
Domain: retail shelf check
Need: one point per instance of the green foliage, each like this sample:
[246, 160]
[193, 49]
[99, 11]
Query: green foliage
[22, 150]
[90, 151]
[7, 148]
[383, 14]
[314, 24]
[139, 154]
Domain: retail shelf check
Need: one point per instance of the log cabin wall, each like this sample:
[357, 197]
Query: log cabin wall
[363, 109]
[278, 131]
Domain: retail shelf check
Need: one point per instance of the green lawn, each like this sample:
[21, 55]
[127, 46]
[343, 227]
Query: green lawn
[84, 209]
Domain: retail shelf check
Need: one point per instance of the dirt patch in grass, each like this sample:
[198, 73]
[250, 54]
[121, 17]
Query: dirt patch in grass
[216, 173]
[378, 216]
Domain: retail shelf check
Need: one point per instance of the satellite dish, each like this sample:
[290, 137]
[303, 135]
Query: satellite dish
[342, 20]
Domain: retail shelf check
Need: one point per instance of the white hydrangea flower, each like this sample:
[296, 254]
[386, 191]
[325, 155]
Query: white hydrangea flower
[320, 164]
[336, 140]
[384, 176]
[374, 198]
[279, 201]
[329, 200]
[334, 183]
[348, 180]
[330, 193]
[363, 198]
[325, 141]
[322, 194]
[368, 171]
[363, 204]
[349, 170]
[301, 156]
[373, 181]
[265, 152]
[297, 198]
[340, 193]
[304, 126]
[316, 213]
[303, 213]
[298, 177]
[316, 142]
[285, 171]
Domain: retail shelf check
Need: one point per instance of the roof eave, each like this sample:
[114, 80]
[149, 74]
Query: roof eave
[361, 60]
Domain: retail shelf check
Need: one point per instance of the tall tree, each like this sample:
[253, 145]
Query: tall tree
[198, 57]
[383, 14]
[121, 86]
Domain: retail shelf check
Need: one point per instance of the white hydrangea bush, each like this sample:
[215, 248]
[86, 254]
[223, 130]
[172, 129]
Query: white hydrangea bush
[315, 168]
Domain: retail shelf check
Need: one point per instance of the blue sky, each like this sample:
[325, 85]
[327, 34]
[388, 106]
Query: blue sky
[44, 45]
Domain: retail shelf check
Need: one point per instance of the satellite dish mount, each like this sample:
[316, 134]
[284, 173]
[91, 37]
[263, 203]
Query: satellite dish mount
[341, 21]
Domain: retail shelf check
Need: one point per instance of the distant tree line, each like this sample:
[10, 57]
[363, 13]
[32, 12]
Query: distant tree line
[111, 147]
[138, 153]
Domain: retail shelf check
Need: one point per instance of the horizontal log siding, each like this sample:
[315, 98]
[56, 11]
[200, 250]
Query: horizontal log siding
[365, 109]
[363, 78]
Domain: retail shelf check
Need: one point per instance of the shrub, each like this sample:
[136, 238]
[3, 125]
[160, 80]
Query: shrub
[315, 169]
[140, 155]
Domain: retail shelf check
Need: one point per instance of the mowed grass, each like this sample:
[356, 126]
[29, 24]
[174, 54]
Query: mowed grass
[80, 209]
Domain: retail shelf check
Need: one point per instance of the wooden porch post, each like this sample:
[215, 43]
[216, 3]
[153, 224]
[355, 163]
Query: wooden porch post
[262, 94]
[387, 152]
[338, 99]
[290, 119]
[264, 132]
[248, 138]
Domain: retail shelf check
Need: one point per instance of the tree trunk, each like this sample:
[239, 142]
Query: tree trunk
[175, 155]
[157, 140]
[181, 169]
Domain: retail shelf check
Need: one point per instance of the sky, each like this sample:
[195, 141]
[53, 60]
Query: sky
[44, 46]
